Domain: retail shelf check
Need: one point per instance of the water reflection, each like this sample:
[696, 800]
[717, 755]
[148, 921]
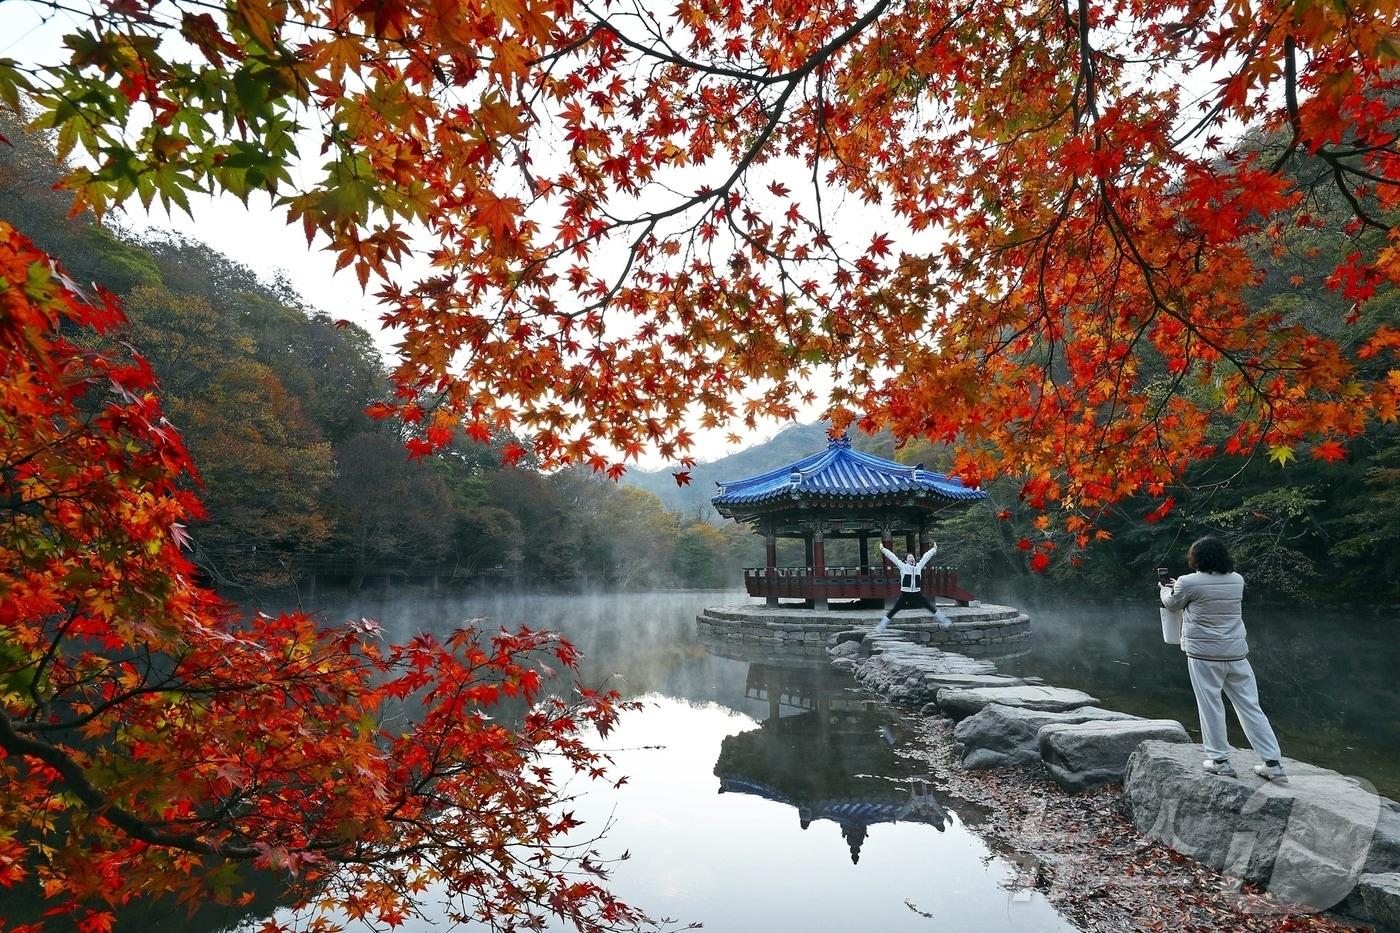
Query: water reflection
[821, 761]
[753, 777]
[752, 783]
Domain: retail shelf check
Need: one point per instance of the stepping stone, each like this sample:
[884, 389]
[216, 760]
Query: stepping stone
[1085, 755]
[962, 702]
[938, 681]
[1308, 841]
[998, 736]
[1381, 895]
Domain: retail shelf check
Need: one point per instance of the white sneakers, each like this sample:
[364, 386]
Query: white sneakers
[1220, 766]
[883, 624]
[1269, 772]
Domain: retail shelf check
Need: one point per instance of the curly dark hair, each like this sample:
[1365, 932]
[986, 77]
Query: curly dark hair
[1210, 555]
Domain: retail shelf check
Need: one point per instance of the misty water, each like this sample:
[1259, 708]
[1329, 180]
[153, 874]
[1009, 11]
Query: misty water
[822, 825]
[769, 795]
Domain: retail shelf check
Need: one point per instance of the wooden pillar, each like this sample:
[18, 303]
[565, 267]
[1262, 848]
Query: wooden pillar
[774, 697]
[887, 540]
[909, 544]
[771, 561]
[864, 552]
[819, 567]
[808, 550]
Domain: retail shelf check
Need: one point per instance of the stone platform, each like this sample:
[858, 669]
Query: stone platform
[976, 629]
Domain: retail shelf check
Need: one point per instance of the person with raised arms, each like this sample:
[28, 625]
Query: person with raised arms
[910, 588]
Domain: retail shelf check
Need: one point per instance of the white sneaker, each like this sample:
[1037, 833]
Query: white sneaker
[882, 625]
[1220, 766]
[1272, 773]
[944, 623]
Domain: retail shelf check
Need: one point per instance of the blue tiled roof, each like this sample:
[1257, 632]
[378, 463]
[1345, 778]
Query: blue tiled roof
[849, 810]
[842, 473]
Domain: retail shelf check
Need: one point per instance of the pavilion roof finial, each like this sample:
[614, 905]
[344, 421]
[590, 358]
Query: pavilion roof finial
[841, 440]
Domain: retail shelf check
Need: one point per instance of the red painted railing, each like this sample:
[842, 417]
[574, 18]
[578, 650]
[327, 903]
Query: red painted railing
[848, 583]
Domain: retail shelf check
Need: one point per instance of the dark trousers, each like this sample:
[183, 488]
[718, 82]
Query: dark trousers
[910, 601]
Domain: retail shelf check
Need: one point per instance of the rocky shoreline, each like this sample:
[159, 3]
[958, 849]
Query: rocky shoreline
[1112, 817]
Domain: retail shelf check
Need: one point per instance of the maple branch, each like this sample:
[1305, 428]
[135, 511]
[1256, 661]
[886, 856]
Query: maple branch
[76, 780]
[1087, 70]
[774, 118]
[1159, 301]
[571, 47]
[1290, 96]
[1246, 58]
[1339, 170]
[47, 659]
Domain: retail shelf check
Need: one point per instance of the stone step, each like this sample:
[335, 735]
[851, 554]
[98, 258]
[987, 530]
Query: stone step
[959, 703]
[1381, 895]
[1308, 842]
[1084, 755]
[998, 736]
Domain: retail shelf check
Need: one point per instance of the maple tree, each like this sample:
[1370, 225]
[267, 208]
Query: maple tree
[151, 739]
[1020, 228]
[633, 211]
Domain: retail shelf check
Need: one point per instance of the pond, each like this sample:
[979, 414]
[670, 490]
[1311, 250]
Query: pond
[761, 795]
[768, 795]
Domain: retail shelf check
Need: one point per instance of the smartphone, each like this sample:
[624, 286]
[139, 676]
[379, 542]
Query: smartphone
[1163, 575]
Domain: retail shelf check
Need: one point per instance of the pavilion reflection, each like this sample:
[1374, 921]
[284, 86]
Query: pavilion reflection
[830, 754]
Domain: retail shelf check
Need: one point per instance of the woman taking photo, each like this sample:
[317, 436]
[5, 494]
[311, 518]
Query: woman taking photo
[1213, 638]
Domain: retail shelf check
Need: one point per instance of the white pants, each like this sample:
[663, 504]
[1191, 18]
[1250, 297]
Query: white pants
[1236, 680]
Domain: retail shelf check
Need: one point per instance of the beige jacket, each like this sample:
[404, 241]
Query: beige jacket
[1212, 625]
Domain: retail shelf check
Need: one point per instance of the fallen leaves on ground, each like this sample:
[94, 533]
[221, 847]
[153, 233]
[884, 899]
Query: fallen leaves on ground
[1082, 853]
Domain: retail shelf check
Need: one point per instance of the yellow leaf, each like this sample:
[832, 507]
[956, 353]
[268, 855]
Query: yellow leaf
[262, 19]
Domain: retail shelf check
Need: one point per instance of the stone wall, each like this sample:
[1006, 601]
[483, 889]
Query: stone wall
[974, 627]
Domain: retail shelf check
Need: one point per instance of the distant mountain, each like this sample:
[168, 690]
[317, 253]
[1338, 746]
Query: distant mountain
[787, 446]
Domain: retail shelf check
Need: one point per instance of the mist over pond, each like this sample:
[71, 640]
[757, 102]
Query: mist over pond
[811, 820]
[1327, 679]
[733, 817]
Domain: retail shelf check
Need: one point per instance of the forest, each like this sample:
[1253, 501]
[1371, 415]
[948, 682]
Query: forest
[301, 486]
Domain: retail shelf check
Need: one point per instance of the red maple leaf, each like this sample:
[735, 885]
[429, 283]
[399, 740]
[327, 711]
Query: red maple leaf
[1329, 451]
[1161, 512]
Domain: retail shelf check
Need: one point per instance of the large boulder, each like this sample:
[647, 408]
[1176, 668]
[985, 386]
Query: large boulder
[998, 736]
[1381, 895]
[1085, 755]
[959, 702]
[1307, 841]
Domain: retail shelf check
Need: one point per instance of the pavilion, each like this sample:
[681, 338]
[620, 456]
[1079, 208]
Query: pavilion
[844, 493]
